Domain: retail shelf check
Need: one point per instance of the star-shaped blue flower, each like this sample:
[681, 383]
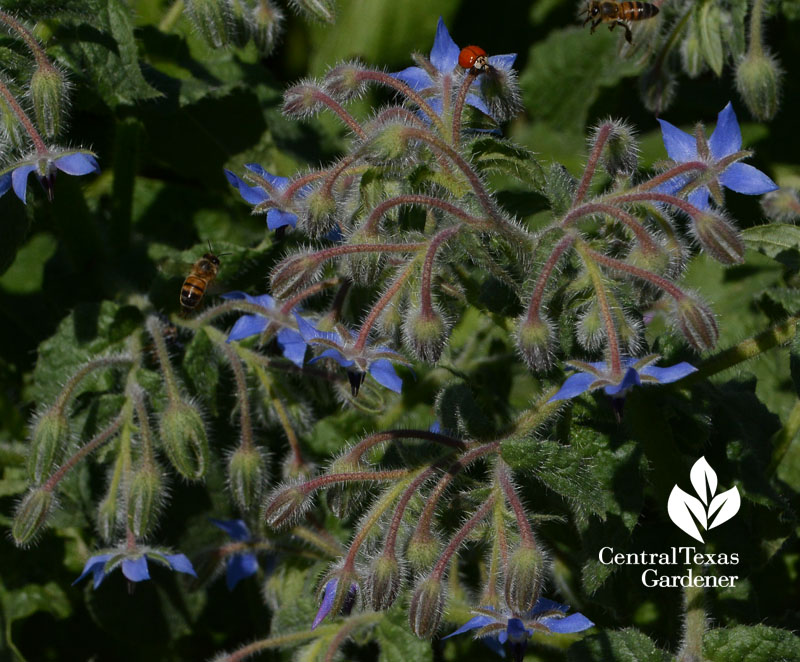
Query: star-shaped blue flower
[72, 162]
[724, 141]
[255, 195]
[377, 361]
[290, 341]
[591, 376]
[444, 58]
[134, 565]
[497, 628]
[240, 565]
[328, 596]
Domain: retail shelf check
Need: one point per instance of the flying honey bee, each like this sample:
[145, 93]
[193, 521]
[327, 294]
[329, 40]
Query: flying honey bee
[618, 13]
[203, 273]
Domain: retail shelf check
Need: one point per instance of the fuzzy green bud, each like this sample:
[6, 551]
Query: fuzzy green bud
[31, 514]
[293, 273]
[422, 551]
[391, 142]
[719, 237]
[384, 582]
[48, 94]
[320, 213]
[183, 435]
[344, 81]
[107, 516]
[303, 100]
[500, 90]
[265, 25]
[696, 321]
[657, 86]
[782, 205]
[320, 10]
[691, 52]
[11, 130]
[145, 496]
[524, 577]
[47, 441]
[246, 476]
[426, 334]
[620, 153]
[758, 79]
[534, 342]
[285, 506]
[425, 609]
[213, 19]
[344, 498]
[591, 328]
[365, 268]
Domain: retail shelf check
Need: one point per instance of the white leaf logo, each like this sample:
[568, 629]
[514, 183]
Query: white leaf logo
[687, 511]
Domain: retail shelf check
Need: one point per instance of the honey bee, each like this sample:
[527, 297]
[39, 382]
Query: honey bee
[618, 13]
[203, 273]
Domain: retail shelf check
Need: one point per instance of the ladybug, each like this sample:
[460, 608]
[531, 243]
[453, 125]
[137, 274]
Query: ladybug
[473, 57]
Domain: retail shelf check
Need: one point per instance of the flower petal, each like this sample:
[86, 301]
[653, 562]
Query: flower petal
[473, 623]
[95, 565]
[444, 54]
[292, 346]
[327, 602]
[727, 138]
[136, 569]
[252, 194]
[246, 326]
[235, 528]
[670, 374]
[415, 77]
[574, 386]
[279, 183]
[476, 102]
[181, 563]
[5, 183]
[699, 198]
[239, 567]
[278, 219]
[384, 373]
[543, 604]
[77, 164]
[576, 622]
[680, 146]
[629, 380]
[516, 630]
[19, 180]
[746, 179]
[311, 333]
[336, 355]
[504, 62]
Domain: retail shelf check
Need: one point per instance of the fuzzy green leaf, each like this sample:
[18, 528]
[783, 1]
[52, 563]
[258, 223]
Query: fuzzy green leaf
[751, 643]
[627, 645]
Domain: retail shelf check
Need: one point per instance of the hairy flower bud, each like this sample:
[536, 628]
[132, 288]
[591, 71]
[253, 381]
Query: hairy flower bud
[719, 237]
[425, 334]
[213, 20]
[365, 268]
[390, 143]
[524, 577]
[500, 91]
[246, 476]
[49, 435]
[344, 82]
[782, 205]
[344, 498]
[145, 496]
[320, 10]
[48, 94]
[183, 436]
[108, 515]
[691, 53]
[303, 100]
[535, 341]
[31, 514]
[292, 273]
[422, 551]
[696, 322]
[620, 154]
[658, 87]
[384, 581]
[758, 79]
[320, 213]
[11, 130]
[425, 609]
[285, 506]
[265, 25]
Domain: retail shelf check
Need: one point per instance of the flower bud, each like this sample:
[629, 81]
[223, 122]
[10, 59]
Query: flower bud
[47, 441]
[48, 94]
[303, 100]
[691, 53]
[320, 213]
[107, 515]
[145, 496]
[524, 577]
[246, 476]
[365, 268]
[344, 81]
[265, 25]
[500, 91]
[758, 79]
[384, 581]
[696, 321]
[344, 498]
[285, 506]
[534, 342]
[782, 205]
[719, 237]
[213, 20]
[425, 334]
[620, 154]
[591, 328]
[427, 604]
[320, 10]
[292, 273]
[657, 86]
[422, 551]
[31, 514]
[11, 130]
[183, 436]
[390, 143]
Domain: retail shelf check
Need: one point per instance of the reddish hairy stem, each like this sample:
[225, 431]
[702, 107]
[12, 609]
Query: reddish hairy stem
[23, 118]
[665, 176]
[617, 265]
[351, 477]
[605, 310]
[361, 341]
[547, 269]
[390, 435]
[652, 196]
[458, 109]
[463, 532]
[427, 267]
[28, 38]
[304, 294]
[621, 215]
[591, 165]
[241, 390]
[394, 526]
[525, 531]
[343, 115]
[424, 201]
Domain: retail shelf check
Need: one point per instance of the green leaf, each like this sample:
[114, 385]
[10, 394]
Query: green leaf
[202, 369]
[396, 640]
[751, 643]
[627, 645]
[492, 154]
[778, 240]
[708, 23]
[26, 274]
[28, 600]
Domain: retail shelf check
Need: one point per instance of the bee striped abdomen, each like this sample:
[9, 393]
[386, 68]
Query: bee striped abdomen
[637, 11]
[192, 291]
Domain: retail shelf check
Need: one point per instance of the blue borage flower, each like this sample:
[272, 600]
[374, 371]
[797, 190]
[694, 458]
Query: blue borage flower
[497, 628]
[45, 165]
[377, 361]
[133, 563]
[255, 195]
[591, 376]
[444, 58]
[724, 141]
[239, 565]
[328, 596]
[290, 341]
